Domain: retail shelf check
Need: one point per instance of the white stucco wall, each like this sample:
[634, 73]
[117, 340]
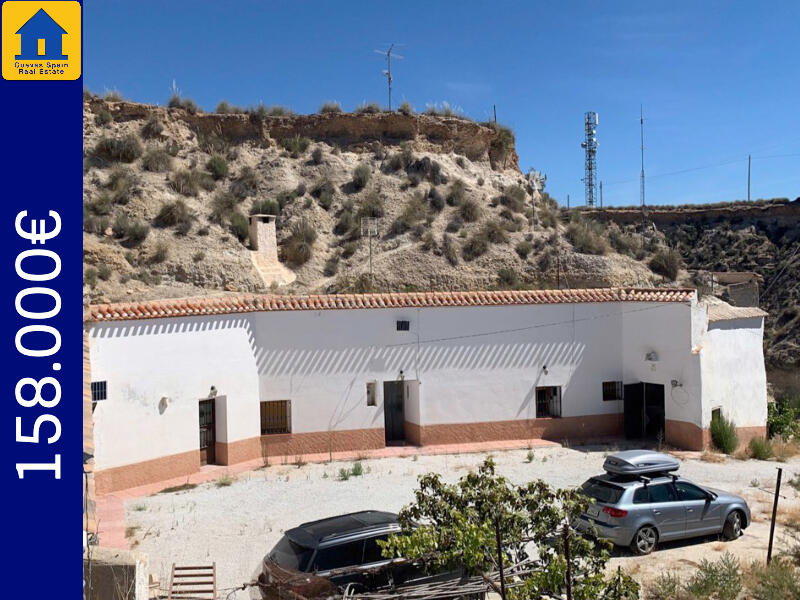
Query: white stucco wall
[667, 330]
[734, 376]
[143, 361]
[473, 364]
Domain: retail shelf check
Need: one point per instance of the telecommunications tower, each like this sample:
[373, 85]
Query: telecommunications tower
[590, 145]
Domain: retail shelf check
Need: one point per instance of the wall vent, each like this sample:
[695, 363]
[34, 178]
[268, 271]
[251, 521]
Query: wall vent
[403, 325]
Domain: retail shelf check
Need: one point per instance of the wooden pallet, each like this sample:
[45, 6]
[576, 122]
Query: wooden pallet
[193, 582]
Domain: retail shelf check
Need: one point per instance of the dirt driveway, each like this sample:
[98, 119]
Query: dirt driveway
[235, 523]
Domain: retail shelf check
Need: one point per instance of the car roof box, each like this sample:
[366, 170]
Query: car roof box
[639, 462]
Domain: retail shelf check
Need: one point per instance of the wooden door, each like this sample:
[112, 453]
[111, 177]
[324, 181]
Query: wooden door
[207, 430]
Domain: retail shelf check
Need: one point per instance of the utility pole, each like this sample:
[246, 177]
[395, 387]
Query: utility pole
[388, 71]
[774, 514]
[748, 178]
[369, 228]
[567, 201]
[641, 179]
[494, 109]
[601, 195]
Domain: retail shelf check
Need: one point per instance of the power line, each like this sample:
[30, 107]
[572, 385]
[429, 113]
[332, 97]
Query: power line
[701, 168]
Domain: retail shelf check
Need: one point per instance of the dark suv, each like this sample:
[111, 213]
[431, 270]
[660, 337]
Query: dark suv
[340, 550]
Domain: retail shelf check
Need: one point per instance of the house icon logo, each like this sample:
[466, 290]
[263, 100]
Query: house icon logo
[41, 40]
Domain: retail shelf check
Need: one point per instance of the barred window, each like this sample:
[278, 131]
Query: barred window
[98, 390]
[276, 416]
[612, 390]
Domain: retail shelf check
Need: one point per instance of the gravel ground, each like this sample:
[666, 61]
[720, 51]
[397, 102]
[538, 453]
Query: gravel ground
[235, 525]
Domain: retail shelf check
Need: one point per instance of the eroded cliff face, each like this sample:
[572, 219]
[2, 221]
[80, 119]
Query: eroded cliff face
[349, 131]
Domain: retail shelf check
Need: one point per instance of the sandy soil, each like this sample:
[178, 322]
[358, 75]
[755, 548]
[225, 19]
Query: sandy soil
[235, 525]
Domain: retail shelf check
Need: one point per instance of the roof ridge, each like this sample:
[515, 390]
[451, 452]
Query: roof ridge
[203, 305]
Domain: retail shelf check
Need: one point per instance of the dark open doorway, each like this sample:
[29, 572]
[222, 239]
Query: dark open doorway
[644, 411]
[393, 412]
[207, 432]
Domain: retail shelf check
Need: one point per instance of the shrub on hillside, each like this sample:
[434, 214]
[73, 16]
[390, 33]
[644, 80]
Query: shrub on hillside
[324, 191]
[470, 211]
[125, 149]
[121, 185]
[413, 212]
[239, 226]
[174, 214]
[132, 231]
[157, 160]
[187, 104]
[723, 434]
[261, 111]
[330, 108]
[217, 165]
[95, 224]
[223, 206]
[90, 277]
[102, 117]
[188, 182]
[245, 184]
[225, 108]
[371, 206]
[524, 249]
[295, 145]
[361, 175]
[436, 199]
[450, 249]
[266, 206]
[587, 237]
[317, 155]
[503, 142]
[513, 198]
[368, 108]
[666, 263]
[495, 232]
[405, 108]
[152, 128]
[299, 247]
[476, 245]
[507, 278]
[455, 195]
[113, 96]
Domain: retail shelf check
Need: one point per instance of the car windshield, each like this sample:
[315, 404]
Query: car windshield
[290, 555]
[602, 491]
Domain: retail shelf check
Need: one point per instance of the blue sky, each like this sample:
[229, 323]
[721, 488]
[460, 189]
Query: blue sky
[718, 80]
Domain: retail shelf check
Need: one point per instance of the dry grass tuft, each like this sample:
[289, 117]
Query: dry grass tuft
[712, 457]
[790, 516]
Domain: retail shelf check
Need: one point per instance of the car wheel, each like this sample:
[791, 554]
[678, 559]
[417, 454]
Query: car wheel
[644, 541]
[733, 526]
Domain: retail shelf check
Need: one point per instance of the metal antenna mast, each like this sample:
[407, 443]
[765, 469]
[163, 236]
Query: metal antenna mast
[590, 145]
[388, 71]
[641, 178]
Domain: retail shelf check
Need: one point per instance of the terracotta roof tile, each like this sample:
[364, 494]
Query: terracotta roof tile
[184, 307]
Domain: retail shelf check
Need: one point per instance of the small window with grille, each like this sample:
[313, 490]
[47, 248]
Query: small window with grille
[276, 416]
[98, 391]
[612, 390]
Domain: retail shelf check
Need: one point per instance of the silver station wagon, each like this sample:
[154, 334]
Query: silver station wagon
[640, 501]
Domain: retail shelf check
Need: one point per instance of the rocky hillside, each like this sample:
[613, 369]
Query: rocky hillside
[167, 192]
[762, 237]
